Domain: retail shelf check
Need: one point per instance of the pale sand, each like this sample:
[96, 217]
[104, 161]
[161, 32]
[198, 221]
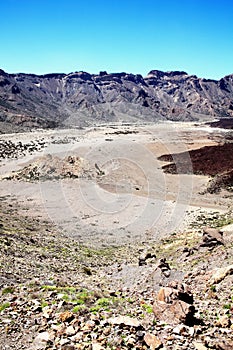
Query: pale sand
[134, 200]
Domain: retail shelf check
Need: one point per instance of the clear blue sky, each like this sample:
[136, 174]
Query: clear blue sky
[41, 36]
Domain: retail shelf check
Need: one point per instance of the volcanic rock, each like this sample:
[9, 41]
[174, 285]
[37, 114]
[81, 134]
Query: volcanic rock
[164, 267]
[211, 237]
[79, 98]
[145, 255]
[174, 304]
[152, 341]
[125, 320]
[52, 167]
[220, 273]
[41, 340]
[96, 346]
[221, 181]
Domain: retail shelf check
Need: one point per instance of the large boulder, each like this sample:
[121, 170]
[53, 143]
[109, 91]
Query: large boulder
[174, 304]
[220, 273]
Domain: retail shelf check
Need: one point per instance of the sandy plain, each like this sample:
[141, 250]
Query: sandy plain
[127, 197]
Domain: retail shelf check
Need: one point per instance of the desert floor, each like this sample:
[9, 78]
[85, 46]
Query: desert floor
[126, 197]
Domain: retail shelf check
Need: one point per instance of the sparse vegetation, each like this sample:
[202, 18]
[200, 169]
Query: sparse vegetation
[60, 288]
[4, 306]
[8, 290]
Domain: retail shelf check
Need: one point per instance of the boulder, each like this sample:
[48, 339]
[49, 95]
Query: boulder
[175, 313]
[41, 340]
[144, 256]
[174, 304]
[164, 267]
[211, 237]
[175, 291]
[220, 273]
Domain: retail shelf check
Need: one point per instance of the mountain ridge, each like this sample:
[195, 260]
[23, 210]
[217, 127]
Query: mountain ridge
[80, 98]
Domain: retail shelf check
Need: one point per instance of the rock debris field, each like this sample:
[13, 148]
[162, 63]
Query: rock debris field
[104, 249]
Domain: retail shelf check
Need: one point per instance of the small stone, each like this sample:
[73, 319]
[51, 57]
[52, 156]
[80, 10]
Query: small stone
[107, 330]
[47, 313]
[97, 346]
[131, 340]
[90, 324]
[77, 337]
[64, 341]
[152, 341]
[145, 254]
[59, 328]
[70, 330]
[41, 340]
[225, 345]
[224, 322]
[140, 334]
[199, 346]
[180, 329]
[66, 316]
[126, 320]
[191, 331]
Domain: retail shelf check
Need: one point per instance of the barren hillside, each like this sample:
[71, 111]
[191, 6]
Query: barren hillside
[80, 98]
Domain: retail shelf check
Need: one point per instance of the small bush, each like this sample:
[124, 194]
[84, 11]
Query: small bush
[4, 306]
[8, 290]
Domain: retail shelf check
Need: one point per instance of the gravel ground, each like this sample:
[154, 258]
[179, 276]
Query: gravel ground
[84, 261]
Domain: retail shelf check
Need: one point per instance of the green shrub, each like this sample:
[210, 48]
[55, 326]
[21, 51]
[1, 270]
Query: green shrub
[4, 306]
[8, 290]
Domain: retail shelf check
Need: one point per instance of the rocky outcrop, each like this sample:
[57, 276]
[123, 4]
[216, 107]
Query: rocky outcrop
[215, 161]
[52, 167]
[221, 181]
[223, 123]
[220, 273]
[80, 98]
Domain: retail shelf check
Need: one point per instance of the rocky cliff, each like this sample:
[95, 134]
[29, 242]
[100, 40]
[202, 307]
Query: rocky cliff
[80, 98]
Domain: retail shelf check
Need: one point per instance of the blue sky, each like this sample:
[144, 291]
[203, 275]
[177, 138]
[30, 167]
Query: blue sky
[135, 36]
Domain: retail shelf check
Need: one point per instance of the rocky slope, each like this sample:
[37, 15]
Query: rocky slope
[58, 294]
[80, 98]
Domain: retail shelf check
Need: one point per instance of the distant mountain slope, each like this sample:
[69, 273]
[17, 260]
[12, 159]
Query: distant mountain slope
[80, 98]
